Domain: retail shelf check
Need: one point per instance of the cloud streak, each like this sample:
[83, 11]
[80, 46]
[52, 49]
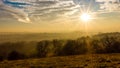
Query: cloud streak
[44, 9]
[16, 9]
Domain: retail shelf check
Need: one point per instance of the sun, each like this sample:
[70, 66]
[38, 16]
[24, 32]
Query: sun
[85, 17]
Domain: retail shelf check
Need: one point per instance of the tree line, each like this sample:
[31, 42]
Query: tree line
[98, 44]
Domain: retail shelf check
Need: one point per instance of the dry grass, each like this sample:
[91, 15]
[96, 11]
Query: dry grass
[77, 61]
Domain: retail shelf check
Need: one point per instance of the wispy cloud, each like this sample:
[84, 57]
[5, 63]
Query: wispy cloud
[45, 9]
[110, 5]
[98, 5]
[16, 9]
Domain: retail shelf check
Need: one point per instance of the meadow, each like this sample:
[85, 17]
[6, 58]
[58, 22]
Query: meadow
[76, 61]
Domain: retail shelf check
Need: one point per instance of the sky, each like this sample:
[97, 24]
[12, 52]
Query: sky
[59, 15]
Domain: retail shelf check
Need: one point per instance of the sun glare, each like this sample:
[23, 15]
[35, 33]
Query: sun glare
[85, 17]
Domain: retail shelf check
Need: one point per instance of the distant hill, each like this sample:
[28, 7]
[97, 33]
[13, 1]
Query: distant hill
[14, 37]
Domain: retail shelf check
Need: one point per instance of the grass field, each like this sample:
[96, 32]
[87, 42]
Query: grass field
[77, 61]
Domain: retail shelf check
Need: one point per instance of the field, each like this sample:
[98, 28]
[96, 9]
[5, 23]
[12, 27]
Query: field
[76, 61]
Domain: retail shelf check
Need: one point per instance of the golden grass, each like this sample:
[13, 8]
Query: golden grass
[77, 61]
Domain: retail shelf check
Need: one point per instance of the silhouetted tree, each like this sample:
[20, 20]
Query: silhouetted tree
[73, 47]
[42, 48]
[115, 48]
[1, 58]
[68, 48]
[14, 55]
[57, 47]
[82, 45]
[97, 46]
[111, 44]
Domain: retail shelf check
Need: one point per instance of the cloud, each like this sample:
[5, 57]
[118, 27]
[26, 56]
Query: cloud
[41, 10]
[98, 5]
[46, 9]
[26, 9]
[16, 9]
[110, 5]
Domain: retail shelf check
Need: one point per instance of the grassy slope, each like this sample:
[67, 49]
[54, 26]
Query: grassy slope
[78, 61]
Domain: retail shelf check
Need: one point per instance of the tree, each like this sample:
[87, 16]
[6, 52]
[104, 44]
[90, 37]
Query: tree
[74, 47]
[57, 47]
[14, 55]
[97, 46]
[111, 44]
[42, 48]
[1, 58]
